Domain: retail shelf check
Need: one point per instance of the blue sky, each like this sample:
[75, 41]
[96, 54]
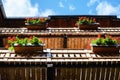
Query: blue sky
[33, 8]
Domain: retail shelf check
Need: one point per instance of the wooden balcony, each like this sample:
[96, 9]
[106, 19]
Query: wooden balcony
[59, 38]
[59, 65]
[65, 56]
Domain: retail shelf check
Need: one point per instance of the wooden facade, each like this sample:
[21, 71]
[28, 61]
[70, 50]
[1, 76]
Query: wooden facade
[62, 65]
[60, 38]
[66, 55]
[63, 21]
[69, 72]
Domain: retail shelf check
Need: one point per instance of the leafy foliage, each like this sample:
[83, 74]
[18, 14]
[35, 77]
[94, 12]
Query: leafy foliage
[104, 41]
[85, 20]
[38, 20]
[16, 41]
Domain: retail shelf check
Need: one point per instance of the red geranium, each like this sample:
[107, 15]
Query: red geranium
[85, 20]
[99, 35]
[37, 20]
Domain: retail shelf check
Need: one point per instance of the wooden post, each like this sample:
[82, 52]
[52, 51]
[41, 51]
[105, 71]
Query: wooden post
[1, 42]
[65, 41]
[50, 71]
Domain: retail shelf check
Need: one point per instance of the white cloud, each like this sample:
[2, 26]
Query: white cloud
[91, 2]
[104, 8]
[61, 5]
[20, 8]
[71, 7]
[23, 8]
[47, 12]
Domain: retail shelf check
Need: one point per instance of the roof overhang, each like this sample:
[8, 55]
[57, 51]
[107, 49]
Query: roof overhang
[2, 9]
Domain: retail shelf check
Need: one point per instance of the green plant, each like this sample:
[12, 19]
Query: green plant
[104, 41]
[16, 41]
[85, 20]
[38, 20]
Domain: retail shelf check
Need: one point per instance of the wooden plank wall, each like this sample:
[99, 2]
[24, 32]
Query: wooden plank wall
[59, 71]
[88, 73]
[53, 42]
[62, 22]
[79, 42]
[115, 23]
[23, 73]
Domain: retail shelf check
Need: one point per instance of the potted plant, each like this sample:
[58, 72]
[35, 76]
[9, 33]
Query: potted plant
[25, 45]
[104, 45]
[36, 23]
[87, 23]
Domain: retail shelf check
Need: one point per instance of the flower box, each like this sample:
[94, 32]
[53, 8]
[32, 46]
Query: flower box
[28, 45]
[38, 23]
[87, 23]
[105, 45]
[105, 49]
[88, 26]
[31, 50]
[41, 26]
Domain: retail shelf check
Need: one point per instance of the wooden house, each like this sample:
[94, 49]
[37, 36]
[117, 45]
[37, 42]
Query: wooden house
[65, 56]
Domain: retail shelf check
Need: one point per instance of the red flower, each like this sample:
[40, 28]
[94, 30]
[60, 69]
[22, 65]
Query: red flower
[80, 18]
[30, 37]
[88, 46]
[94, 20]
[7, 46]
[42, 19]
[13, 38]
[85, 17]
[99, 35]
[35, 20]
[9, 38]
[86, 20]
[110, 37]
[116, 38]
[76, 24]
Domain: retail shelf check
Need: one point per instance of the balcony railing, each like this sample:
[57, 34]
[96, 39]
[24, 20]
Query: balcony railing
[59, 65]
